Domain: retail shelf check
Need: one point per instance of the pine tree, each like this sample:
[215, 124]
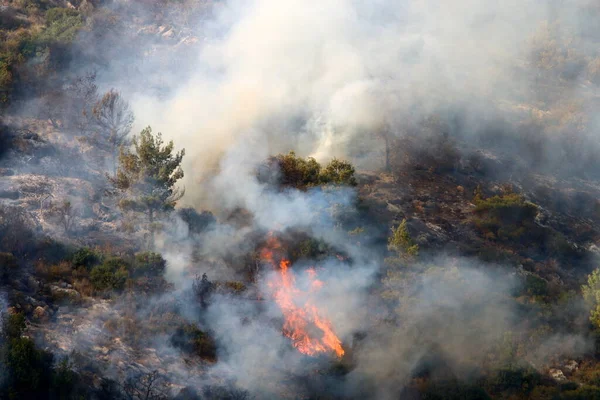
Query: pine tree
[401, 242]
[146, 177]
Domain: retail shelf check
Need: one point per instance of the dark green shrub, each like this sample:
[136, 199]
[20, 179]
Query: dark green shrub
[28, 369]
[297, 172]
[303, 173]
[516, 379]
[85, 257]
[51, 250]
[191, 339]
[149, 264]
[65, 379]
[536, 286]
[310, 248]
[110, 275]
[13, 325]
[338, 172]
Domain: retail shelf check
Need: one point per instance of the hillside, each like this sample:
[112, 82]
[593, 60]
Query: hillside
[287, 200]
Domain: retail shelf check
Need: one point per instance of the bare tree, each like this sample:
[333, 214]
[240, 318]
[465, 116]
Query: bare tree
[202, 288]
[150, 386]
[112, 120]
[83, 94]
[386, 135]
[64, 214]
[70, 107]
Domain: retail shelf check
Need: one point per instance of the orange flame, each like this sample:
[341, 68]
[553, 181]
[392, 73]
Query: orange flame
[311, 333]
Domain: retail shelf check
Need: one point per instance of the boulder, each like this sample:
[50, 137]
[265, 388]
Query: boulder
[557, 375]
[570, 366]
[64, 293]
[40, 314]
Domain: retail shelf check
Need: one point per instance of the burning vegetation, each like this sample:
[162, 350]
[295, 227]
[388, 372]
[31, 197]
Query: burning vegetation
[310, 331]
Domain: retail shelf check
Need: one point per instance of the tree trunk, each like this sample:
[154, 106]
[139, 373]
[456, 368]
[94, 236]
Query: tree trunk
[151, 218]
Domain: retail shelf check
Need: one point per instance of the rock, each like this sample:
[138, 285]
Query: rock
[169, 34]
[40, 314]
[557, 375]
[571, 366]
[33, 302]
[64, 293]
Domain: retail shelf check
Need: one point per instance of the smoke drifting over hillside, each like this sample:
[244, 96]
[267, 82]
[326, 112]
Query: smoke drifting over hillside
[318, 77]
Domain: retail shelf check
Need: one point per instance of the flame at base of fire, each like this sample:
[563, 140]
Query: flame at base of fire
[311, 333]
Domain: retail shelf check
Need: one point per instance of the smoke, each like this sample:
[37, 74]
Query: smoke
[315, 78]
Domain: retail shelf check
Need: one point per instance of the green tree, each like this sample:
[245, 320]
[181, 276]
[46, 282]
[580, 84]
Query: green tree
[149, 264]
[401, 242]
[146, 177]
[591, 294]
[111, 274]
[339, 172]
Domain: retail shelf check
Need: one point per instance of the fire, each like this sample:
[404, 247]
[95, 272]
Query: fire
[311, 333]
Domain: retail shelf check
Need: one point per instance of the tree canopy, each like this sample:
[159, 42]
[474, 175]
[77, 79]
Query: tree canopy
[147, 175]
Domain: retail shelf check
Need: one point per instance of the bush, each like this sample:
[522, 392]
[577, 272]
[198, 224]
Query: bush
[85, 257]
[338, 172]
[506, 217]
[401, 242]
[110, 275]
[310, 248]
[62, 25]
[516, 379]
[303, 173]
[297, 172]
[29, 369]
[55, 272]
[149, 264]
[13, 325]
[591, 295]
[536, 286]
[191, 339]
